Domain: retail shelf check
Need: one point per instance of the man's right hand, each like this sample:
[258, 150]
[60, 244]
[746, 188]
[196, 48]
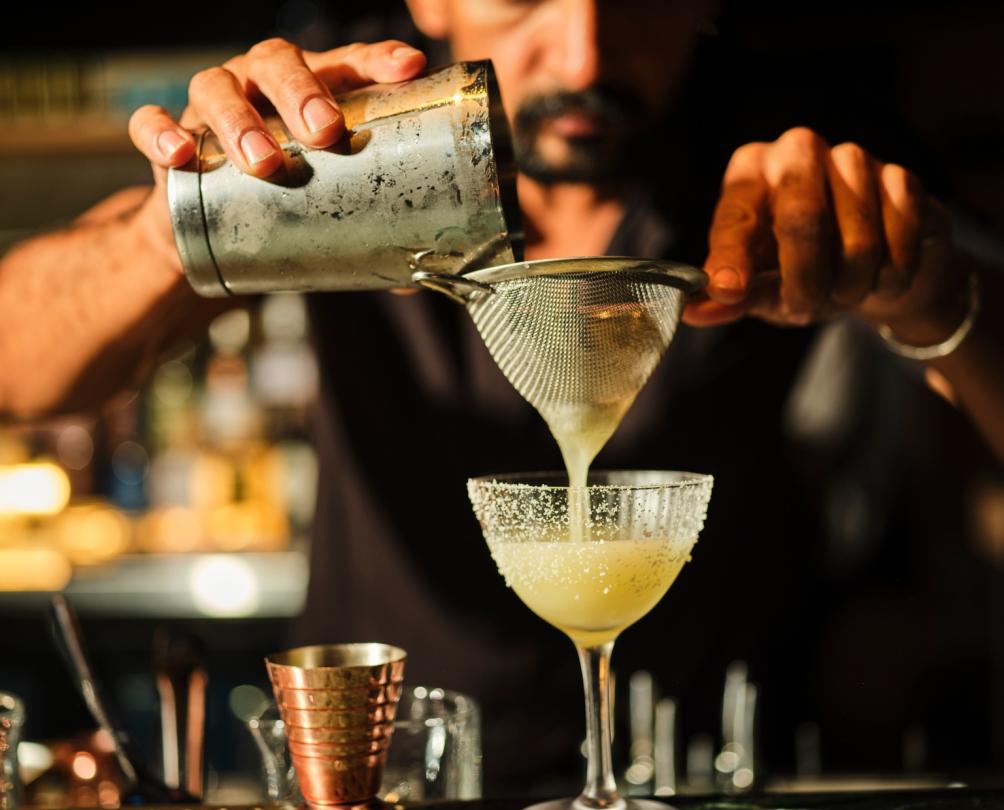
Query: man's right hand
[299, 84]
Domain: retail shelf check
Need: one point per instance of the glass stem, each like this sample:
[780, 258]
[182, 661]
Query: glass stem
[601, 787]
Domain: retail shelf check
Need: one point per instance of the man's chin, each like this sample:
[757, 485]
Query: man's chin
[550, 176]
[552, 160]
[548, 172]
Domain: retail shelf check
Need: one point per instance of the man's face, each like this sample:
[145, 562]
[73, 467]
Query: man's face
[584, 80]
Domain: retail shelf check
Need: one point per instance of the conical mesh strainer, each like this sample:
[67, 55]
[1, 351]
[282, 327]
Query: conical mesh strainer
[578, 338]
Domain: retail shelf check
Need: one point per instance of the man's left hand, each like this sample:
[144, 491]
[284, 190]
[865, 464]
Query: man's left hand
[846, 232]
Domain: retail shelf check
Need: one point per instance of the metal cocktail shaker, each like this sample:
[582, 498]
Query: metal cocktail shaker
[423, 180]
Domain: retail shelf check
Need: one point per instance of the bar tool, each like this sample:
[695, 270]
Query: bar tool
[179, 664]
[142, 786]
[424, 179]
[338, 704]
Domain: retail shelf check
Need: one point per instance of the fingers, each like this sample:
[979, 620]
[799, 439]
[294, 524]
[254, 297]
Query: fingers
[357, 65]
[848, 233]
[301, 98]
[795, 168]
[903, 204]
[712, 313]
[298, 84]
[219, 99]
[158, 137]
[740, 219]
[858, 210]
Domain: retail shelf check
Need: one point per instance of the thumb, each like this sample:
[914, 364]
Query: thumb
[706, 312]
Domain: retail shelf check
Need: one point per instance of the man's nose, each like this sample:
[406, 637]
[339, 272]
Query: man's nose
[577, 41]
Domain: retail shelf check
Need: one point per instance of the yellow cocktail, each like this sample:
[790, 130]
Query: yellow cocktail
[592, 561]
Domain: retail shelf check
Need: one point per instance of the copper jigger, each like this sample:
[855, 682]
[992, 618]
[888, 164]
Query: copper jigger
[338, 703]
[338, 699]
[348, 718]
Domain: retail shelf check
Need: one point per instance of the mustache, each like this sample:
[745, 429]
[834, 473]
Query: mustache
[617, 107]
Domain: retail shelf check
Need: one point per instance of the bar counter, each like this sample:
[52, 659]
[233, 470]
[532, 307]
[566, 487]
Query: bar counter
[938, 799]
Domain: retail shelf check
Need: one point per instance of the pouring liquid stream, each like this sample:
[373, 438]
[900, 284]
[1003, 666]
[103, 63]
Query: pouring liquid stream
[581, 430]
[578, 344]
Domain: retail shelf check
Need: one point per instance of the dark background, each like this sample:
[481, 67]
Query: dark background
[916, 81]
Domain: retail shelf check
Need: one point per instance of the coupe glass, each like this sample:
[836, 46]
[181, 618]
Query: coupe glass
[592, 561]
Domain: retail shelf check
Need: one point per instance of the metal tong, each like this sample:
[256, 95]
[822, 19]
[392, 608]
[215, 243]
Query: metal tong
[142, 786]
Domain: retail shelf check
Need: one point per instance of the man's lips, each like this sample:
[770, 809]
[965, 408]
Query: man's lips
[573, 125]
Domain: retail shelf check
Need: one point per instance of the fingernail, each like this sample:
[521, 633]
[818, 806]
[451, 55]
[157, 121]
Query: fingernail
[319, 113]
[256, 146]
[170, 141]
[728, 283]
[399, 54]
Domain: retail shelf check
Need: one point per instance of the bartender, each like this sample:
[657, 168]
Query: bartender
[412, 404]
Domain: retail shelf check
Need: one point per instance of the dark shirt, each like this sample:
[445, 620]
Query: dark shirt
[413, 405]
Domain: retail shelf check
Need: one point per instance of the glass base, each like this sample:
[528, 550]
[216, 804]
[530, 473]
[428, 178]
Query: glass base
[580, 803]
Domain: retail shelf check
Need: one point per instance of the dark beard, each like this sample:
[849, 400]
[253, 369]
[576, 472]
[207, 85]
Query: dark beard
[614, 152]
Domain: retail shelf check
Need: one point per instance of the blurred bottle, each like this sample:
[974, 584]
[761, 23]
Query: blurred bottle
[736, 762]
[128, 460]
[641, 707]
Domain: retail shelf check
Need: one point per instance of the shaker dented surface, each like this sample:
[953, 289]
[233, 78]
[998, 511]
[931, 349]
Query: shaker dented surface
[423, 180]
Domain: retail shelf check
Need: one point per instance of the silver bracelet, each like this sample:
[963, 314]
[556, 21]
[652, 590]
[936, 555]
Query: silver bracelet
[949, 344]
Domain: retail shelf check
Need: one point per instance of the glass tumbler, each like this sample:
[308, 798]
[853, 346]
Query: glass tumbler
[11, 720]
[435, 752]
[278, 775]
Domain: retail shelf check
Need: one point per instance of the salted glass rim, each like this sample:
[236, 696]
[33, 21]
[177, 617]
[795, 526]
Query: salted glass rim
[541, 480]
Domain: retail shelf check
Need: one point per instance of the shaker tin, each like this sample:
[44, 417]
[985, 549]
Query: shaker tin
[423, 180]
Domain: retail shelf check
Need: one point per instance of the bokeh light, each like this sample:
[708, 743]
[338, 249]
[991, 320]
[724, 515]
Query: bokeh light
[223, 586]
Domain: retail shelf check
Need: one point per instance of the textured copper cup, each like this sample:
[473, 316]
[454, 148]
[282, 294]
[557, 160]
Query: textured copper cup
[352, 780]
[349, 718]
[357, 748]
[325, 736]
[336, 666]
[338, 704]
[338, 699]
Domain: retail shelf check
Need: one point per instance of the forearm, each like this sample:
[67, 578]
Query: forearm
[85, 309]
[976, 369]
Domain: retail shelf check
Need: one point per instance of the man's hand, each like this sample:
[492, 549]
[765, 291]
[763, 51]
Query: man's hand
[228, 99]
[847, 233]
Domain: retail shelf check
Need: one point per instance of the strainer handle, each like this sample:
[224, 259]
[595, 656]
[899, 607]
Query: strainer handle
[456, 287]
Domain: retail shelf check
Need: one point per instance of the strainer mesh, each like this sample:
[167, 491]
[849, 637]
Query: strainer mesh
[578, 338]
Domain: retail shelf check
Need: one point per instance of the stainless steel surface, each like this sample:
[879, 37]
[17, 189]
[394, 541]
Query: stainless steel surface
[577, 335]
[682, 276]
[337, 667]
[470, 280]
[70, 640]
[425, 181]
